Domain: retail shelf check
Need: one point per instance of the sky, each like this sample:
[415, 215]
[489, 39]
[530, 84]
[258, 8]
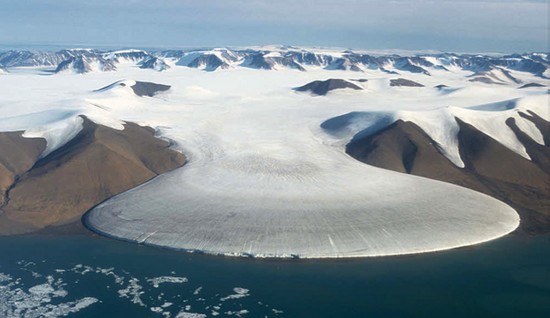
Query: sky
[447, 25]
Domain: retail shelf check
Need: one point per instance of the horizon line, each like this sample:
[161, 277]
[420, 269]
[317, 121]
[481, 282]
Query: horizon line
[111, 47]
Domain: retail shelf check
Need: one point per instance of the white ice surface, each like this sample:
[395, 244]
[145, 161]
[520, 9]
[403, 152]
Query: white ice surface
[263, 178]
[441, 126]
[156, 281]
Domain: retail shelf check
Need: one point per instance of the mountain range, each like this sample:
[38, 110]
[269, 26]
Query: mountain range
[486, 68]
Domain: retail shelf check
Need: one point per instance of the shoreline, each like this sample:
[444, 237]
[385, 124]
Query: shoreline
[514, 237]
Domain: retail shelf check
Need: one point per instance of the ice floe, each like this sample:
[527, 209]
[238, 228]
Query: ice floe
[264, 179]
[156, 281]
[49, 295]
[239, 293]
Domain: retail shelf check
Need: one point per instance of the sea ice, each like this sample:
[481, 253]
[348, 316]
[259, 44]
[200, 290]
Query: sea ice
[239, 293]
[40, 301]
[156, 281]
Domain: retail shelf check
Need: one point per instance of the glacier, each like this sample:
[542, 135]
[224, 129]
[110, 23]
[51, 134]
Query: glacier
[256, 205]
[263, 177]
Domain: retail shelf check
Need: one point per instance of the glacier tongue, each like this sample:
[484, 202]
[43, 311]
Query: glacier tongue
[332, 207]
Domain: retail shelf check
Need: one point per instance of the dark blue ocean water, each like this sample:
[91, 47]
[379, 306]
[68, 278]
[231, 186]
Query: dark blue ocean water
[92, 276]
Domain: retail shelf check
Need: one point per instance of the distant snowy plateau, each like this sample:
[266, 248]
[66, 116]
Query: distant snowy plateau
[265, 132]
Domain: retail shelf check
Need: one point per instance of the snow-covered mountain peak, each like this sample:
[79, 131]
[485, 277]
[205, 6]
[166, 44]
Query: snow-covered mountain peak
[154, 63]
[84, 64]
[484, 69]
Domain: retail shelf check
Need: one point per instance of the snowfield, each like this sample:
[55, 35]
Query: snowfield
[267, 174]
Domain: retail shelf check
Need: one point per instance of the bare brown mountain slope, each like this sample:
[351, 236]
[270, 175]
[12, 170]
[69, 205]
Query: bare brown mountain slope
[98, 163]
[490, 167]
[17, 155]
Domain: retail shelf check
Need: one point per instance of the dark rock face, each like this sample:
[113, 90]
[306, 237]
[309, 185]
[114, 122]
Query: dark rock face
[148, 88]
[388, 71]
[139, 88]
[309, 58]
[492, 78]
[258, 61]
[323, 87]
[490, 167]
[532, 85]
[473, 63]
[154, 63]
[406, 64]
[210, 62]
[509, 76]
[135, 56]
[82, 64]
[440, 67]
[58, 189]
[404, 82]
[343, 64]
[15, 58]
[534, 65]
[484, 80]
[66, 65]
[290, 63]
